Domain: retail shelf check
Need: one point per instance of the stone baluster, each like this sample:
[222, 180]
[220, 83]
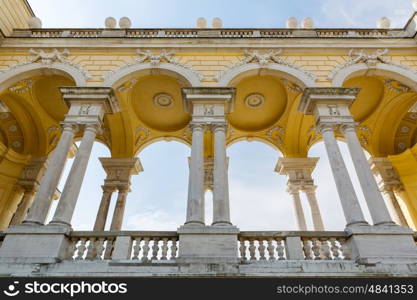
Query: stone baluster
[389, 183]
[330, 107]
[376, 204]
[41, 203]
[195, 203]
[221, 209]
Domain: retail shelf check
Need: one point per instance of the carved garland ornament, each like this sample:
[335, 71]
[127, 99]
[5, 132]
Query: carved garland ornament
[48, 58]
[154, 60]
[371, 60]
[272, 57]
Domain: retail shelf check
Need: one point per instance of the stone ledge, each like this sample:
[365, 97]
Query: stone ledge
[37, 229]
[208, 230]
[378, 230]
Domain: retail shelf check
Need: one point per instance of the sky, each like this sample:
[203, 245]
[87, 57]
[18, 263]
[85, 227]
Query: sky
[258, 199]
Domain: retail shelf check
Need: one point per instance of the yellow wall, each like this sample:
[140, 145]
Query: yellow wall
[406, 166]
[14, 14]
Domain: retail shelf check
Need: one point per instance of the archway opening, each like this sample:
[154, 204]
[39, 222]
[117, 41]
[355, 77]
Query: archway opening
[159, 194]
[327, 195]
[258, 200]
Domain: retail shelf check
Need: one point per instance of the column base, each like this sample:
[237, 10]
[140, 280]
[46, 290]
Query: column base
[208, 244]
[382, 244]
[34, 244]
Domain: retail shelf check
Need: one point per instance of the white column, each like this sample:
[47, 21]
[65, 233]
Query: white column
[298, 208]
[314, 206]
[221, 209]
[66, 205]
[119, 209]
[23, 207]
[195, 203]
[394, 207]
[374, 199]
[351, 208]
[103, 210]
[40, 207]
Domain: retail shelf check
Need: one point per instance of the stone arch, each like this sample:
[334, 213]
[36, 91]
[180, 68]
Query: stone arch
[256, 139]
[401, 74]
[293, 74]
[161, 139]
[18, 73]
[189, 77]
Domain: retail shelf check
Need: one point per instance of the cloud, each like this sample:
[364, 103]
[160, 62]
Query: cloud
[157, 220]
[364, 13]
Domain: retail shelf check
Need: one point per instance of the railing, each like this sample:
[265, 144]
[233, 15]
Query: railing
[272, 246]
[144, 246]
[212, 33]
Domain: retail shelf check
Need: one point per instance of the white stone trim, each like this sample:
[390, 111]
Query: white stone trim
[402, 74]
[17, 73]
[113, 78]
[294, 75]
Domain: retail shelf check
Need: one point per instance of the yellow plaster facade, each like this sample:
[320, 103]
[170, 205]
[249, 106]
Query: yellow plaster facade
[148, 68]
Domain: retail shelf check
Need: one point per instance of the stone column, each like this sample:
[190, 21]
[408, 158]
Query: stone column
[195, 203]
[388, 182]
[298, 171]
[39, 210]
[376, 204]
[119, 209]
[310, 192]
[23, 207]
[347, 195]
[72, 188]
[221, 209]
[298, 208]
[119, 172]
[103, 209]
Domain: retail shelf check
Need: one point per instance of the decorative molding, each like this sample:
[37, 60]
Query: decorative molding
[275, 134]
[47, 59]
[370, 60]
[396, 86]
[127, 86]
[141, 135]
[154, 60]
[291, 86]
[22, 86]
[263, 60]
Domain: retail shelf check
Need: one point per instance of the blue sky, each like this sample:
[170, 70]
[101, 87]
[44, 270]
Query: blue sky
[234, 13]
[257, 193]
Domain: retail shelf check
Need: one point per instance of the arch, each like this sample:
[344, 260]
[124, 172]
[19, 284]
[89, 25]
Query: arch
[402, 74]
[183, 74]
[298, 76]
[255, 139]
[161, 139]
[18, 73]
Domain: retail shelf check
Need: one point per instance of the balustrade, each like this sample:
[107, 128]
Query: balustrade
[203, 32]
[272, 246]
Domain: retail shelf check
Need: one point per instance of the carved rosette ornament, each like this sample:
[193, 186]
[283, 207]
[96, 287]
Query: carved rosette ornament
[163, 100]
[255, 100]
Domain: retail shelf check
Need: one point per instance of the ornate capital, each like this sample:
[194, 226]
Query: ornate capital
[120, 170]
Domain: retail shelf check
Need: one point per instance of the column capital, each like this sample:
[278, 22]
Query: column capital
[208, 104]
[120, 170]
[309, 189]
[387, 177]
[298, 170]
[220, 126]
[88, 104]
[348, 127]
